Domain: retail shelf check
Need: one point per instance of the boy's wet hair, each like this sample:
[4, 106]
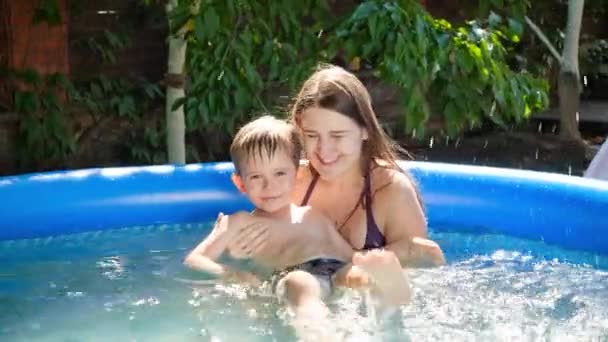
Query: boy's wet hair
[262, 137]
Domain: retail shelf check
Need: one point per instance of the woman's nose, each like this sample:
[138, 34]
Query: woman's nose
[323, 146]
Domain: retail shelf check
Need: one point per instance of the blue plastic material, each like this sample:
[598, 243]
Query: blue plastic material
[562, 210]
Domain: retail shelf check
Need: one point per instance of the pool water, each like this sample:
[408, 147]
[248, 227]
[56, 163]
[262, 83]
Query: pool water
[130, 285]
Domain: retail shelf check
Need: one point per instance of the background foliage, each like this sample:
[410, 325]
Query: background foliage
[248, 57]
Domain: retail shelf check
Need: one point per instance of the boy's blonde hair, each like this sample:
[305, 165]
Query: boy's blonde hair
[264, 136]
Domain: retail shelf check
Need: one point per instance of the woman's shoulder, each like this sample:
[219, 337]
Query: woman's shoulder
[303, 177]
[304, 174]
[386, 181]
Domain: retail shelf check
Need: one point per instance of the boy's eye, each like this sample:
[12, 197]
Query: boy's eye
[281, 173]
[254, 177]
[311, 136]
[337, 136]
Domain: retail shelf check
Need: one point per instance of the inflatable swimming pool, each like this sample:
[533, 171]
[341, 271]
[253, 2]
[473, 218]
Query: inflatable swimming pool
[96, 255]
[557, 209]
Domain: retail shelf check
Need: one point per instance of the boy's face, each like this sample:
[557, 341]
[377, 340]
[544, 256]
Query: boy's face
[268, 181]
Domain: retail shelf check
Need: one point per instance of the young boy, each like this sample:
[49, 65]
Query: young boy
[301, 243]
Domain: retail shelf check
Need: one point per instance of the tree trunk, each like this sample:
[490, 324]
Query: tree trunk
[176, 128]
[569, 80]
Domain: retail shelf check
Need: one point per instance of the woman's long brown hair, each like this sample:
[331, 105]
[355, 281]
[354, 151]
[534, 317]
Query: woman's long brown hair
[333, 88]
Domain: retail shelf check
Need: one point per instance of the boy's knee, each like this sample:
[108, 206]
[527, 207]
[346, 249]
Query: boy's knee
[298, 285]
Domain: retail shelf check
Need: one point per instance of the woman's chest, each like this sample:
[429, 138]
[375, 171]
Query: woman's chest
[352, 220]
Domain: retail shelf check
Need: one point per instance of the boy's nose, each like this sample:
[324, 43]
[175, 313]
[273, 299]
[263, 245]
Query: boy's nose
[268, 184]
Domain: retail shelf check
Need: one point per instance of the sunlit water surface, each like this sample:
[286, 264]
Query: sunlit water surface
[130, 285]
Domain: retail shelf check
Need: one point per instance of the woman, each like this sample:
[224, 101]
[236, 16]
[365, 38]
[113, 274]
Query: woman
[352, 174]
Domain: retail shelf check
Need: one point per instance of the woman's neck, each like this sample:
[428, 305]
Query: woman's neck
[351, 179]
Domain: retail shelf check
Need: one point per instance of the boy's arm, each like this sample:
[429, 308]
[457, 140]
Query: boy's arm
[204, 256]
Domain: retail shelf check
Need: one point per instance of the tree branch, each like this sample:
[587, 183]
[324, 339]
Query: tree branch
[544, 39]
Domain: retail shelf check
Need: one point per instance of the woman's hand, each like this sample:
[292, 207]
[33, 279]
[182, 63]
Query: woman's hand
[250, 240]
[427, 251]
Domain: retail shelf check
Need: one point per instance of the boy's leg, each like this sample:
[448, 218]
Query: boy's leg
[304, 295]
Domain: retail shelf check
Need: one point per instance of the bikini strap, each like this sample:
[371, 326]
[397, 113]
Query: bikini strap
[311, 187]
[373, 237]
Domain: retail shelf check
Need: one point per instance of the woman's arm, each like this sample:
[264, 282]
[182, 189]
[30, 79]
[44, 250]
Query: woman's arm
[204, 256]
[405, 226]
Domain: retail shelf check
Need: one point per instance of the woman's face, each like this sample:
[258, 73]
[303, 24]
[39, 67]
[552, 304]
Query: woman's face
[332, 141]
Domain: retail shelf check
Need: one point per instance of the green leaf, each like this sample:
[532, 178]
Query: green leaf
[452, 118]
[178, 103]
[26, 102]
[363, 11]
[96, 90]
[126, 106]
[494, 19]
[274, 68]
[212, 21]
[516, 29]
[48, 11]
[372, 24]
[241, 98]
[199, 29]
[203, 112]
[105, 83]
[30, 76]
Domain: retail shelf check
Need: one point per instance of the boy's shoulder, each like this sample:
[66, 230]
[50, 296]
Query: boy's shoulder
[310, 214]
[238, 219]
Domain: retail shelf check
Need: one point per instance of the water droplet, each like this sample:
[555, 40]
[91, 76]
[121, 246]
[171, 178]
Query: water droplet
[569, 170]
[540, 127]
[457, 143]
[219, 78]
[431, 142]
[414, 133]
[485, 144]
[536, 154]
[577, 117]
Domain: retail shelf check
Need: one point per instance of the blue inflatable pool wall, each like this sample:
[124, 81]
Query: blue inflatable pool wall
[562, 210]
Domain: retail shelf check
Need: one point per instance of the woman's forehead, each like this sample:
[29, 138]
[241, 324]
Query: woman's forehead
[326, 119]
